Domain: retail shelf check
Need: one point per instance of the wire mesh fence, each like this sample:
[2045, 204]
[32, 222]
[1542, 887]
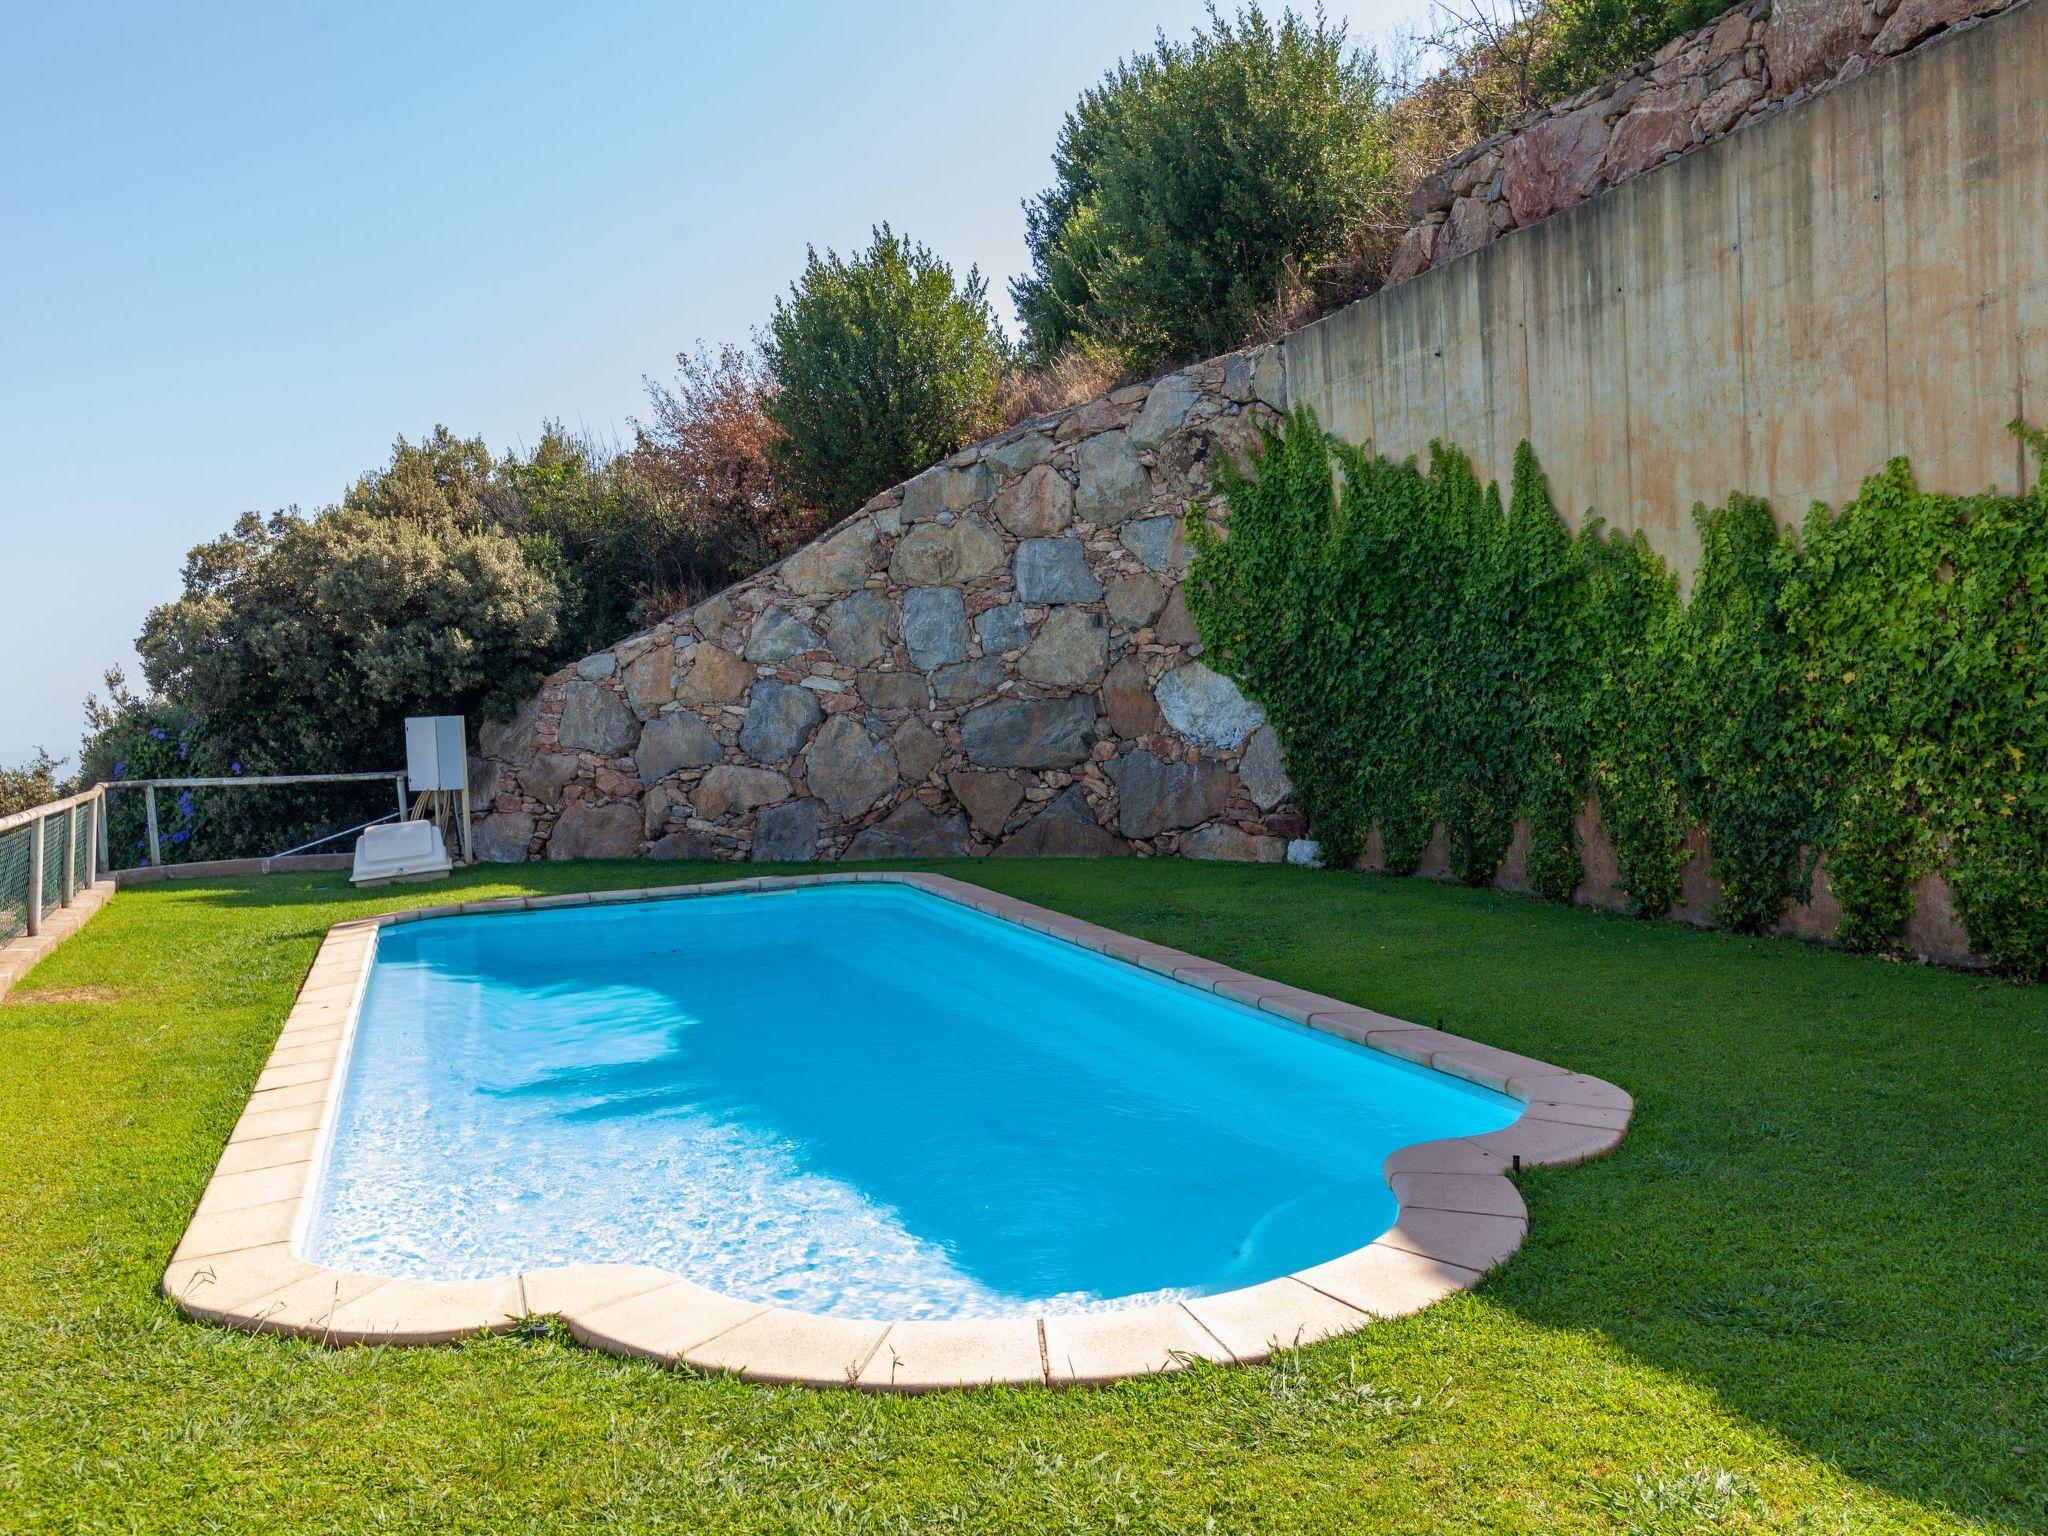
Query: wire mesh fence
[54, 830]
[15, 853]
[48, 856]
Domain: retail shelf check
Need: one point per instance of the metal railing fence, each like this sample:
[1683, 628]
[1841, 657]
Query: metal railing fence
[47, 856]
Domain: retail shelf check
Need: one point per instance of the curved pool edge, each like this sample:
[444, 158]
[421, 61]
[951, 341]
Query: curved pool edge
[1459, 1213]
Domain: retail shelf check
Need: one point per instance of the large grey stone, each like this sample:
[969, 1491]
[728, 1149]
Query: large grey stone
[587, 831]
[1111, 484]
[595, 719]
[847, 768]
[1029, 733]
[1554, 164]
[1066, 828]
[1127, 699]
[918, 750]
[1155, 796]
[1002, 629]
[778, 635]
[1264, 769]
[730, 787]
[965, 681]
[1259, 374]
[1135, 601]
[934, 626]
[779, 717]
[788, 833]
[599, 667]
[683, 843]
[1156, 541]
[548, 775]
[1019, 454]
[1041, 503]
[1207, 708]
[1071, 650]
[1055, 571]
[989, 797]
[836, 563]
[1164, 410]
[893, 690]
[1805, 41]
[942, 489]
[502, 837]
[716, 676]
[675, 741]
[945, 554]
[1174, 626]
[911, 831]
[857, 629]
[511, 741]
[713, 614]
[1917, 19]
[1227, 842]
[650, 681]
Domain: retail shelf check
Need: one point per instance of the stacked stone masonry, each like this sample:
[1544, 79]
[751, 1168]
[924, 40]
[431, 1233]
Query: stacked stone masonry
[1753, 61]
[994, 657]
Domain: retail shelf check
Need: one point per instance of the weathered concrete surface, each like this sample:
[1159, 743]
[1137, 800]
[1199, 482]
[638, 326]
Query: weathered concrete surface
[1862, 275]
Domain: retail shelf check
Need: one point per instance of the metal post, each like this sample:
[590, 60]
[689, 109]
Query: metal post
[399, 780]
[100, 808]
[35, 876]
[156, 852]
[67, 883]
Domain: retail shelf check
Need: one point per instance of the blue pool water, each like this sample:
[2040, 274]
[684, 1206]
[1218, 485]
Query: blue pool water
[853, 1099]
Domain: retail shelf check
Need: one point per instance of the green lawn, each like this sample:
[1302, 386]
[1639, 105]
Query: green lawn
[1807, 1295]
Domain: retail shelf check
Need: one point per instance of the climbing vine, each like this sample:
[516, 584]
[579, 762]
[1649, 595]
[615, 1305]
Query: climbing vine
[1869, 697]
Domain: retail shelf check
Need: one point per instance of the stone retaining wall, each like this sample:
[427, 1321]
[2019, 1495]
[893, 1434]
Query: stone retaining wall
[992, 657]
[1752, 61]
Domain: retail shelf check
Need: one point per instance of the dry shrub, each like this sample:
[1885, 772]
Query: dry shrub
[707, 453]
[1030, 390]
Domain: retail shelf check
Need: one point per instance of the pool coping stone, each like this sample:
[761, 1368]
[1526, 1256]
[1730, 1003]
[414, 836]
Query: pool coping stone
[1460, 1214]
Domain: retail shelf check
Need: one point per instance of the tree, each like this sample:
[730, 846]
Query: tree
[29, 783]
[881, 365]
[302, 643]
[1197, 184]
[441, 478]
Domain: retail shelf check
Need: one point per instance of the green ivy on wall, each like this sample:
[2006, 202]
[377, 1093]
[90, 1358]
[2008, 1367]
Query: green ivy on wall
[1872, 694]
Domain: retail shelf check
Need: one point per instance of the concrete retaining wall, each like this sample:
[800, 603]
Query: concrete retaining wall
[1862, 275]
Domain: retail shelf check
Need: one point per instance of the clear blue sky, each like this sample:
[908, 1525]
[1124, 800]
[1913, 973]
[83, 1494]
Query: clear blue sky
[247, 245]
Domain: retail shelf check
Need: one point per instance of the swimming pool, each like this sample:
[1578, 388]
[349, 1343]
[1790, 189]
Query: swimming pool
[859, 1100]
[887, 1130]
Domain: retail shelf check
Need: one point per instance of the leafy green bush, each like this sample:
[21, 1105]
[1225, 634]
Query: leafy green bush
[1874, 694]
[882, 365]
[1196, 182]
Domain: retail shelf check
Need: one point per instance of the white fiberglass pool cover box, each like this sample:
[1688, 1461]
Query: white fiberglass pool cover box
[411, 850]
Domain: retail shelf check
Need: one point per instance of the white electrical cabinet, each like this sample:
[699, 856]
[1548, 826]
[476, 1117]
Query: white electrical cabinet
[435, 754]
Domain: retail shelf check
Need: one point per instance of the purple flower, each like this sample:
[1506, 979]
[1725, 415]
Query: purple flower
[157, 731]
[120, 767]
[234, 767]
[180, 835]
